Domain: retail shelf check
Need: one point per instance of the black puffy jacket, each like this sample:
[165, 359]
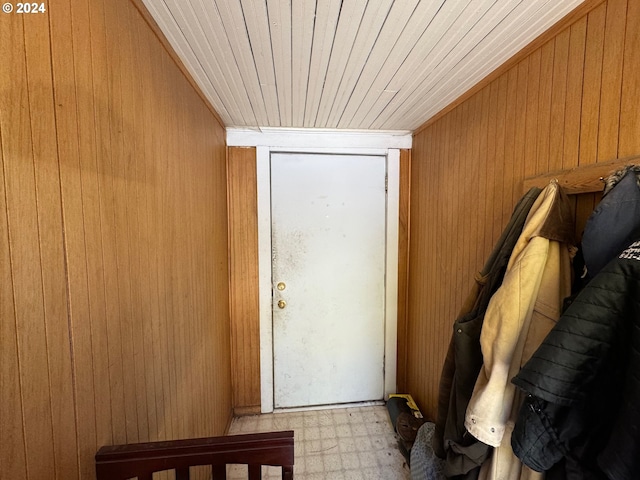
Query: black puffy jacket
[584, 382]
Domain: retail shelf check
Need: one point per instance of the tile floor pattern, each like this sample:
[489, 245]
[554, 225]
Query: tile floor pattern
[346, 443]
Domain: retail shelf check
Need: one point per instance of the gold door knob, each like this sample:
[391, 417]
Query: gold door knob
[282, 303]
[281, 286]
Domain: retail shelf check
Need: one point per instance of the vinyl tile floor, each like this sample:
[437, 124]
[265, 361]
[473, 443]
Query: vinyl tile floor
[344, 443]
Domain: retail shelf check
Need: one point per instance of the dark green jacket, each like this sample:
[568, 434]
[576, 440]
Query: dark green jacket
[463, 453]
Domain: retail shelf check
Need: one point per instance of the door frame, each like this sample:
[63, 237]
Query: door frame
[266, 140]
[263, 155]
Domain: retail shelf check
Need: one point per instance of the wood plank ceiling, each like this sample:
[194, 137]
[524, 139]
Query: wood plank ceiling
[353, 64]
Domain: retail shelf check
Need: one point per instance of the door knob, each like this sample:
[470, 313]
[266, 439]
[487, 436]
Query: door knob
[282, 303]
[281, 286]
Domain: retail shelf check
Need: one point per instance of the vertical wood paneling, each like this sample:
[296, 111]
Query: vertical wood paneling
[591, 94]
[572, 101]
[48, 198]
[122, 168]
[483, 180]
[414, 330]
[531, 120]
[435, 172]
[464, 136]
[442, 218]
[522, 95]
[449, 182]
[27, 267]
[492, 174]
[509, 143]
[558, 100]
[499, 179]
[155, 220]
[591, 85]
[544, 106]
[148, 263]
[403, 266]
[67, 120]
[13, 456]
[109, 322]
[573, 106]
[114, 310]
[629, 136]
[244, 292]
[131, 104]
[475, 172]
[614, 39]
[83, 235]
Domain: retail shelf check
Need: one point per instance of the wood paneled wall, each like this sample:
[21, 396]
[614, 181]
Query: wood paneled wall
[403, 267]
[114, 316]
[244, 282]
[573, 101]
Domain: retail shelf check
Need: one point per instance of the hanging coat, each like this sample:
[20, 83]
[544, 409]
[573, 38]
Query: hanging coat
[463, 453]
[520, 314]
[584, 381]
[615, 222]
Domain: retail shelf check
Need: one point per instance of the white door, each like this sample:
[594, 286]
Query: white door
[328, 271]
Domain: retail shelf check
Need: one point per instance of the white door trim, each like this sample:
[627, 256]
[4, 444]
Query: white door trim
[263, 154]
[317, 138]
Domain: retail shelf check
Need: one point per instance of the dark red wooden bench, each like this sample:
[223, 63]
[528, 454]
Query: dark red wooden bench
[123, 462]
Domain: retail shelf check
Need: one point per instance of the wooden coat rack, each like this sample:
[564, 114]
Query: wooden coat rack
[583, 179]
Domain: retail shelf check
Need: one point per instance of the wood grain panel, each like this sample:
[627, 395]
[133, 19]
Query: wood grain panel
[13, 457]
[244, 291]
[573, 107]
[48, 198]
[558, 99]
[403, 266]
[131, 103]
[501, 181]
[509, 160]
[629, 133]
[113, 243]
[522, 92]
[613, 54]
[484, 213]
[591, 86]
[108, 334]
[27, 265]
[145, 260]
[531, 119]
[545, 95]
[554, 109]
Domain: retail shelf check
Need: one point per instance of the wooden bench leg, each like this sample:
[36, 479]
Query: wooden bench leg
[219, 472]
[287, 472]
[182, 473]
[255, 472]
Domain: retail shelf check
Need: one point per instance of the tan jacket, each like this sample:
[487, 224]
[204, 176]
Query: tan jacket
[520, 314]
